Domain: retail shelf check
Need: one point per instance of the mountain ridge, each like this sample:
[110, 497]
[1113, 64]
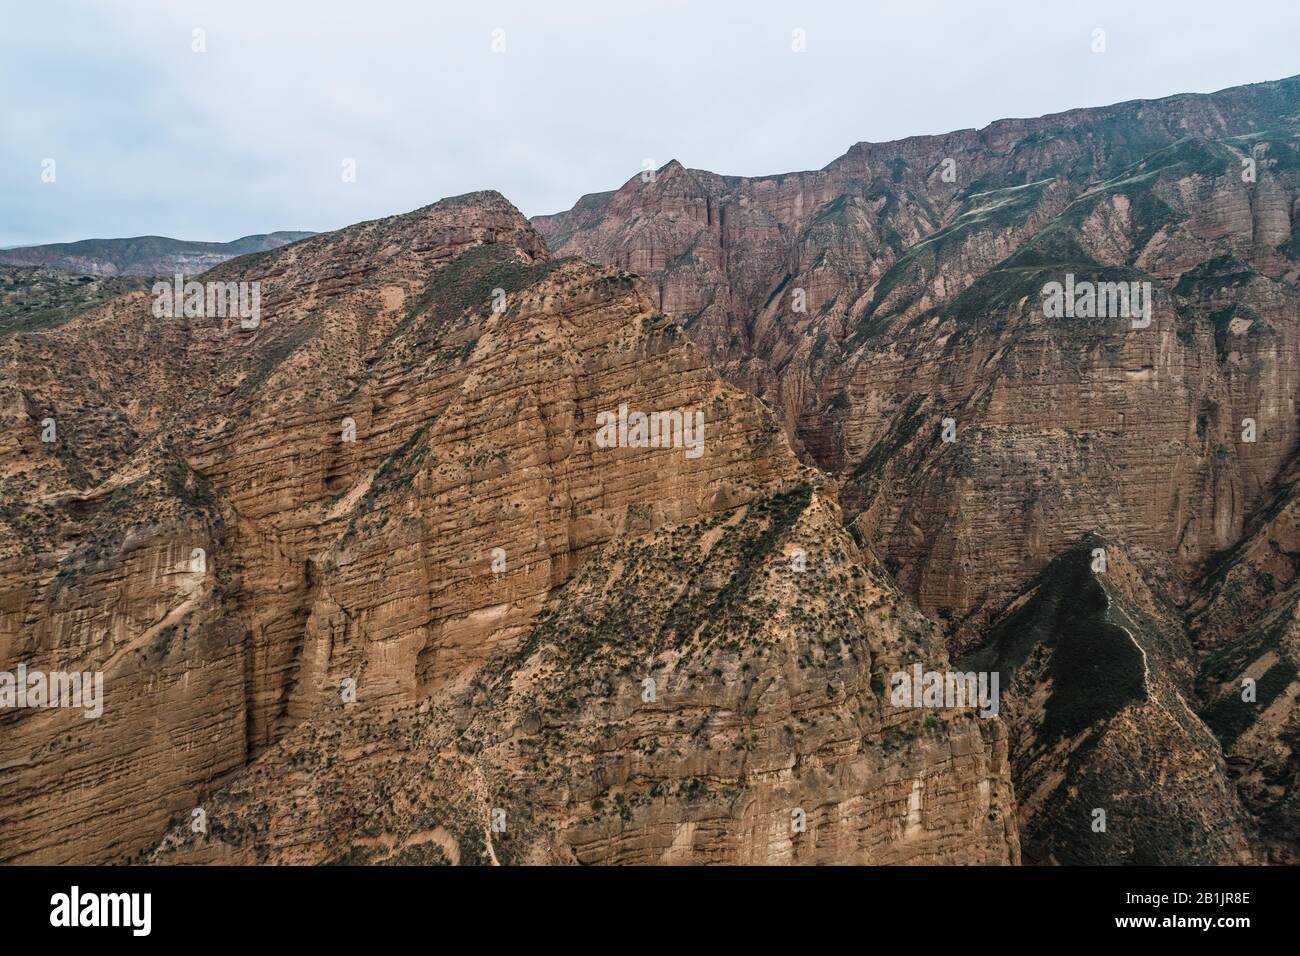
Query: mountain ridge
[964, 132]
[143, 255]
[892, 308]
[440, 616]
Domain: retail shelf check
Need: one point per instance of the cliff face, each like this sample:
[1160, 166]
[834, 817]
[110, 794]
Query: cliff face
[1244, 622]
[375, 547]
[460, 552]
[894, 308]
[902, 285]
[670, 704]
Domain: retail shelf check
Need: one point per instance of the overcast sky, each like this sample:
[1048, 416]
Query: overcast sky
[150, 137]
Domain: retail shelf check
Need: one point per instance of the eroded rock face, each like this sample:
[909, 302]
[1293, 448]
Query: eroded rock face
[107, 525]
[417, 553]
[893, 307]
[373, 578]
[902, 285]
[1244, 622]
[685, 698]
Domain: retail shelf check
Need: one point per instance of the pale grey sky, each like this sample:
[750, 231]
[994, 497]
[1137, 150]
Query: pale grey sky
[150, 137]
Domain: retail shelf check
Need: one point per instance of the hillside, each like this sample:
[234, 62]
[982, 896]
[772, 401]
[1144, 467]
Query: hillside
[142, 255]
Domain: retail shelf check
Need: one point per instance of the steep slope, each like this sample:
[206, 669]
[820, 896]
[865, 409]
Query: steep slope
[1111, 763]
[193, 662]
[1166, 435]
[687, 697]
[142, 255]
[902, 285]
[372, 578]
[394, 476]
[1245, 624]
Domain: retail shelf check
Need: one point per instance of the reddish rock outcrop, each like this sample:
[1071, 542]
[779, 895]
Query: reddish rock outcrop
[396, 484]
[902, 285]
[892, 307]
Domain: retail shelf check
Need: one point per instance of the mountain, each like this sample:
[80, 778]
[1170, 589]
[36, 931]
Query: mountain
[893, 307]
[143, 255]
[365, 574]
[923, 302]
[34, 297]
[667, 529]
[1243, 620]
[1111, 762]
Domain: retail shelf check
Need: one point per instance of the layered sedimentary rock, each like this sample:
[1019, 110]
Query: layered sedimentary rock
[902, 285]
[131, 548]
[1244, 623]
[459, 552]
[893, 307]
[709, 691]
[297, 544]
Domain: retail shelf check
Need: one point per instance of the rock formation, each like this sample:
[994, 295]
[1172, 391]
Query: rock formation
[606, 538]
[372, 550]
[893, 308]
[1111, 762]
[902, 285]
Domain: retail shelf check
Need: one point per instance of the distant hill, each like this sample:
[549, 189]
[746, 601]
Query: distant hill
[38, 297]
[143, 255]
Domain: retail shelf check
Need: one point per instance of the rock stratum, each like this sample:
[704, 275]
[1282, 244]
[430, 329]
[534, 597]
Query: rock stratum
[372, 579]
[362, 576]
[898, 294]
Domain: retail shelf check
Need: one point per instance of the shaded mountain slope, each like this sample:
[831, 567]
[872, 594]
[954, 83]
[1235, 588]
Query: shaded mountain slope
[1244, 623]
[1111, 763]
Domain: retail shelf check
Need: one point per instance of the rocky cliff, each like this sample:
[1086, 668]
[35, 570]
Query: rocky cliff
[902, 285]
[895, 308]
[364, 572]
[607, 538]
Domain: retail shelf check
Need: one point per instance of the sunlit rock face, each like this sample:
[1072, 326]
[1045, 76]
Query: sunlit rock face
[904, 284]
[606, 538]
[903, 310]
[373, 545]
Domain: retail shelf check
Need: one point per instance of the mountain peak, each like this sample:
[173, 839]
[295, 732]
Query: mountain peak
[407, 243]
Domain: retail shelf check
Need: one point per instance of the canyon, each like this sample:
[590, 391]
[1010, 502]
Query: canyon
[366, 586]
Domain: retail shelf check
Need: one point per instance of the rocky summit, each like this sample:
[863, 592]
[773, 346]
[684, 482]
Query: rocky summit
[936, 507]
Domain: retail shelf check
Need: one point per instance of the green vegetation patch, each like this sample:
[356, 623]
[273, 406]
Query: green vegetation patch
[1230, 716]
[33, 298]
[468, 281]
[1214, 275]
